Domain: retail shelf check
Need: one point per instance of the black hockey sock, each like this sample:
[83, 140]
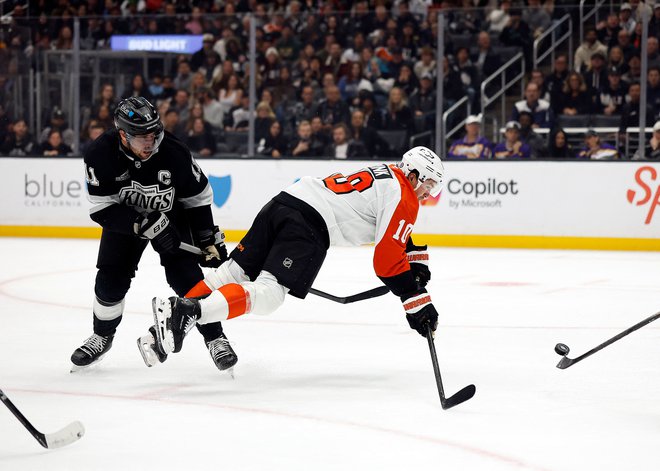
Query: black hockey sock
[106, 328]
[210, 331]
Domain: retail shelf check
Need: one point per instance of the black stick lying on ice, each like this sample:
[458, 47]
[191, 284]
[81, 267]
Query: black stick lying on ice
[562, 348]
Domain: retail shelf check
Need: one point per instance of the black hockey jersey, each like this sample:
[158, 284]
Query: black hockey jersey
[122, 187]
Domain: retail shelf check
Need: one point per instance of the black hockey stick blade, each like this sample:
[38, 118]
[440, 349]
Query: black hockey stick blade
[372, 293]
[565, 362]
[69, 434]
[461, 396]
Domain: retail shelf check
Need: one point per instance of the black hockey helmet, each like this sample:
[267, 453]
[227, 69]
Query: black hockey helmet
[137, 117]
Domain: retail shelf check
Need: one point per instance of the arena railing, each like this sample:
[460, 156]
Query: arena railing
[505, 83]
[552, 32]
[587, 11]
[454, 109]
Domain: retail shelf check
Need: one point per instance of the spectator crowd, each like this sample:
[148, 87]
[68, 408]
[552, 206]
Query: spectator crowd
[344, 80]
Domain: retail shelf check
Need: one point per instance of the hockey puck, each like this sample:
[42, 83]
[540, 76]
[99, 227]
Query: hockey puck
[562, 349]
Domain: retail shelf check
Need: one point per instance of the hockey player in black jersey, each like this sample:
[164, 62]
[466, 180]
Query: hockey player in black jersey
[147, 188]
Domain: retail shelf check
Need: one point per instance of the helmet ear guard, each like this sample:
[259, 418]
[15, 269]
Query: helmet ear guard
[427, 164]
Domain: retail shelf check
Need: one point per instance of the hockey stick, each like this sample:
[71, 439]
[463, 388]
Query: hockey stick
[463, 395]
[562, 349]
[372, 293]
[63, 437]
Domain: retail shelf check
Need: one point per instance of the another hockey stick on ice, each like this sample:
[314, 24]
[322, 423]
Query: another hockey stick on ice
[372, 293]
[463, 395]
[63, 437]
[562, 349]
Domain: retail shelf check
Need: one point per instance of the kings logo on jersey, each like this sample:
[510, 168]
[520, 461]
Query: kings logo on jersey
[149, 197]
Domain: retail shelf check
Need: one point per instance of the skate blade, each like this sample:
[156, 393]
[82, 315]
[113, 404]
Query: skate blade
[77, 368]
[162, 310]
[146, 346]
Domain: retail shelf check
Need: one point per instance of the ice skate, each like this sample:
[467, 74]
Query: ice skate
[222, 354]
[174, 317]
[91, 351]
[149, 348]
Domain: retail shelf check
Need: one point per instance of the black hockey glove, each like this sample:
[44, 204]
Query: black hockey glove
[157, 228]
[214, 250]
[418, 258]
[420, 311]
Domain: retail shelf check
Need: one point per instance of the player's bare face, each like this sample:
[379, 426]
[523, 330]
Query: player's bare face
[425, 189]
[143, 146]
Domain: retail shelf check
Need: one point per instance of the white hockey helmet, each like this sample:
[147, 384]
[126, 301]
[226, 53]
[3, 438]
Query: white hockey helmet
[428, 165]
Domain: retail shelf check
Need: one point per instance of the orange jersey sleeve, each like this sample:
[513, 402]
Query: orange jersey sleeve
[390, 254]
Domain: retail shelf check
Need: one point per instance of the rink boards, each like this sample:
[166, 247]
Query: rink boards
[585, 205]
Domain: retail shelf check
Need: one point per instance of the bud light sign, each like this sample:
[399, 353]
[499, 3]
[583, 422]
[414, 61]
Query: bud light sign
[183, 44]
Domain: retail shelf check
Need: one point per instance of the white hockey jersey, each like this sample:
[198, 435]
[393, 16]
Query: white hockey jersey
[373, 205]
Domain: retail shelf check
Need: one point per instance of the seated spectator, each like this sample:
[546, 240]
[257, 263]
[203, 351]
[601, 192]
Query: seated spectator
[230, 93]
[624, 41]
[342, 147]
[398, 116]
[512, 147]
[104, 116]
[211, 69]
[58, 123]
[106, 97]
[535, 142]
[198, 59]
[626, 20]
[589, 47]
[305, 109]
[181, 103]
[238, 117]
[537, 77]
[168, 89]
[612, 98]
[274, 144]
[172, 124]
[265, 117]
[630, 111]
[453, 89]
[468, 73]
[283, 89]
[373, 116]
[575, 98]
[19, 142]
[559, 147]
[653, 89]
[472, 145]
[616, 59]
[652, 148]
[138, 87]
[318, 131]
[485, 61]
[555, 81]
[517, 34]
[406, 80]
[374, 144]
[608, 30]
[332, 110]
[197, 111]
[653, 53]
[350, 84]
[595, 149]
[200, 140]
[305, 144]
[596, 76]
[423, 100]
[499, 17]
[54, 145]
[156, 86]
[183, 78]
[634, 73]
[540, 109]
[93, 132]
[426, 64]
[213, 112]
[537, 17]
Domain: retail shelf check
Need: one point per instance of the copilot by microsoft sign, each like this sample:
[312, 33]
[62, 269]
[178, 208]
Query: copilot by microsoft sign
[486, 193]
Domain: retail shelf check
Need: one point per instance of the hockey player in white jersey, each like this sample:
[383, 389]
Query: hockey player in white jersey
[284, 249]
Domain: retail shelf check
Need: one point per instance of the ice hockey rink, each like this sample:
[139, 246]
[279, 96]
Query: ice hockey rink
[324, 386]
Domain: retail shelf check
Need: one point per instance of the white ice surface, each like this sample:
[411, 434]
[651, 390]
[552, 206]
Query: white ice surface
[322, 386]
